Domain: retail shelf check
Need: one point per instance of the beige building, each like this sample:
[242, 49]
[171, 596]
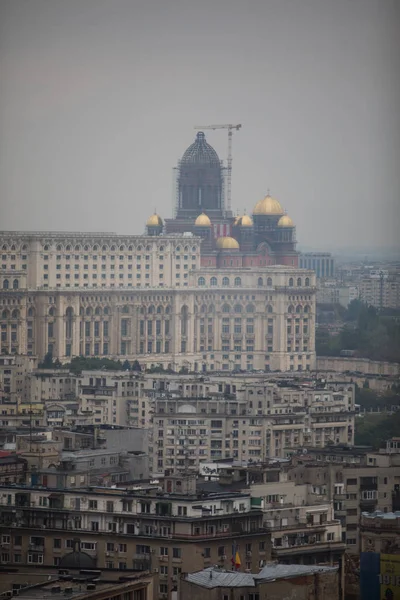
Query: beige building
[380, 292]
[147, 298]
[245, 420]
[364, 482]
[166, 533]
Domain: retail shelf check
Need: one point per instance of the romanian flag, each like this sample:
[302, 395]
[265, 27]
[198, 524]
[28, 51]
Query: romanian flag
[236, 562]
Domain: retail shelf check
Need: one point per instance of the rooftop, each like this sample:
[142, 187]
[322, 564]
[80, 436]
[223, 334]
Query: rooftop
[214, 577]
[80, 586]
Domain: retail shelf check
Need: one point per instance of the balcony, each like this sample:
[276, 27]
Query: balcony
[36, 548]
[311, 547]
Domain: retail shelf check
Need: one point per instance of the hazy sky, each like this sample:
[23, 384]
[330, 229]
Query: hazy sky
[98, 99]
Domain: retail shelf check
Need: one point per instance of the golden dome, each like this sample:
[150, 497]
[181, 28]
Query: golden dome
[202, 221]
[268, 206]
[285, 221]
[154, 221]
[244, 221]
[227, 243]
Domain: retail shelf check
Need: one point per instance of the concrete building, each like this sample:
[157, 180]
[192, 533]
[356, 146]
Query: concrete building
[166, 533]
[357, 480]
[381, 292]
[244, 419]
[321, 262]
[337, 294]
[263, 316]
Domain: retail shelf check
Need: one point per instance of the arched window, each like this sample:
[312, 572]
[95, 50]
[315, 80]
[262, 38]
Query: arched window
[260, 282]
[59, 247]
[68, 247]
[211, 308]
[290, 309]
[15, 284]
[77, 248]
[106, 310]
[213, 281]
[299, 282]
[269, 282]
[225, 308]
[167, 310]
[86, 247]
[104, 248]
[52, 311]
[30, 312]
[203, 308]
[269, 309]
[6, 284]
[4, 314]
[151, 309]
[237, 308]
[307, 309]
[159, 310]
[122, 248]
[307, 282]
[125, 310]
[15, 314]
[46, 247]
[225, 281]
[88, 311]
[98, 310]
[201, 281]
[4, 247]
[24, 247]
[298, 309]
[95, 247]
[250, 308]
[238, 281]
[291, 282]
[113, 248]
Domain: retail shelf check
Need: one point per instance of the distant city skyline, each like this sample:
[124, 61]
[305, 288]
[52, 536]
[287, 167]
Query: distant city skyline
[98, 102]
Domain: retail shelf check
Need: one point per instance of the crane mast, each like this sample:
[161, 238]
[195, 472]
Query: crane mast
[231, 128]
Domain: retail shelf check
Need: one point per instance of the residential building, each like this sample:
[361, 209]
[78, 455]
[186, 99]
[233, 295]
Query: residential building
[357, 480]
[168, 533]
[245, 419]
[381, 291]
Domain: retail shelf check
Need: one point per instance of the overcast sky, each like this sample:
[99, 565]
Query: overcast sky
[98, 99]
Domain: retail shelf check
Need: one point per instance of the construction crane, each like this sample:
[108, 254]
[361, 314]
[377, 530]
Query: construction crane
[231, 129]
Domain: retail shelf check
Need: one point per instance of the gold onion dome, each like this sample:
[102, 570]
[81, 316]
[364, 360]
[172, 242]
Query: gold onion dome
[244, 221]
[285, 221]
[227, 243]
[268, 206]
[154, 221]
[202, 221]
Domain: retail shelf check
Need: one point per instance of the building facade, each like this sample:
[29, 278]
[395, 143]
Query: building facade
[262, 316]
[166, 533]
[322, 263]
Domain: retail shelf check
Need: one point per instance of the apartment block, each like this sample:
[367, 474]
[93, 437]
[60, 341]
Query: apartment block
[168, 533]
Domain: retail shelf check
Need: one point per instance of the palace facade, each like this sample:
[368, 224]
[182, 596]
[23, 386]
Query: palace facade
[74, 295]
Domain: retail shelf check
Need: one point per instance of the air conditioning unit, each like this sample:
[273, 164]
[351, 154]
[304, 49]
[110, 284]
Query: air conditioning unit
[223, 557]
[155, 570]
